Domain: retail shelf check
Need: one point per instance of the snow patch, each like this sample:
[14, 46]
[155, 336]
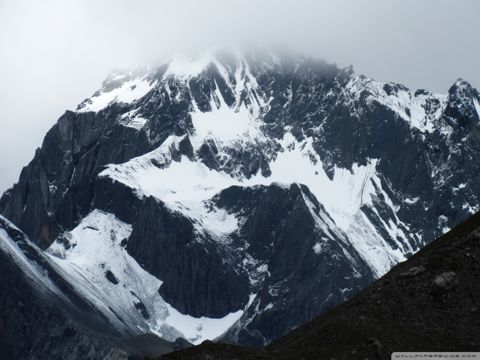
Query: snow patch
[318, 248]
[207, 218]
[95, 247]
[236, 123]
[196, 330]
[411, 201]
[128, 92]
[477, 106]
[131, 120]
[421, 111]
[224, 124]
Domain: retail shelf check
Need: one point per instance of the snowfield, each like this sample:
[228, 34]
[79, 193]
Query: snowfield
[95, 250]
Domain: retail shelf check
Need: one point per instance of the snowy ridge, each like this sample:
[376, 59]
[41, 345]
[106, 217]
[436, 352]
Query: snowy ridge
[30, 269]
[420, 109]
[121, 87]
[182, 185]
[128, 86]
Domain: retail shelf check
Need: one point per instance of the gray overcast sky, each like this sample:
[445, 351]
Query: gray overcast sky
[55, 53]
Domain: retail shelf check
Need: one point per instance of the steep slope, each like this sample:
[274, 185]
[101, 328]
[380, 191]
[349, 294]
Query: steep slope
[427, 303]
[48, 314]
[225, 191]
[30, 327]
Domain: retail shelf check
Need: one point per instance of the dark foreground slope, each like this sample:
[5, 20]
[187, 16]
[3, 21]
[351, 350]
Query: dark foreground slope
[32, 329]
[42, 315]
[429, 303]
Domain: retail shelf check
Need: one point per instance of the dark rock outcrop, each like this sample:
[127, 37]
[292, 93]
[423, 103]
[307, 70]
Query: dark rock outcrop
[428, 303]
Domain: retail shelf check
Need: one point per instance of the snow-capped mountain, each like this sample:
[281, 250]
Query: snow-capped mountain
[238, 195]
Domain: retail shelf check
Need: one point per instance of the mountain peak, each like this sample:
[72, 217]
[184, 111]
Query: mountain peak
[461, 85]
[231, 69]
[207, 150]
[463, 101]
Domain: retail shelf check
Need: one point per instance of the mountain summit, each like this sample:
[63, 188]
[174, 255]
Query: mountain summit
[239, 195]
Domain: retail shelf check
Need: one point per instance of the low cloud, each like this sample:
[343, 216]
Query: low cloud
[54, 53]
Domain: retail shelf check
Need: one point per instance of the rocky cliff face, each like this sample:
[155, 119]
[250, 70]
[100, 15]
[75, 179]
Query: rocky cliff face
[240, 195]
[414, 307]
